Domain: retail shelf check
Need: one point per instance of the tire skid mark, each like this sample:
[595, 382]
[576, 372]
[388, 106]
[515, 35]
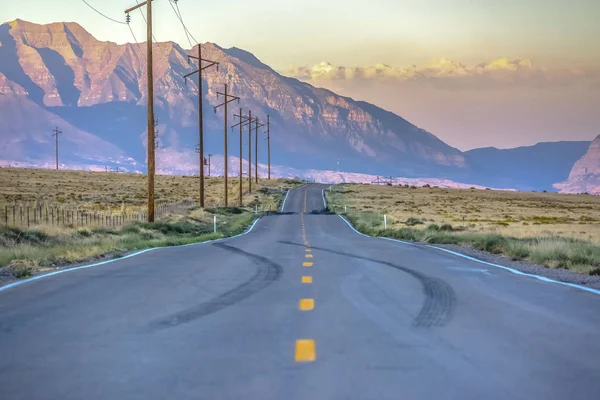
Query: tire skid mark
[267, 272]
[440, 299]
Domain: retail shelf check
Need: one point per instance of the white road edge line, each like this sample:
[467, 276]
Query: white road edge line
[512, 270]
[284, 199]
[62, 271]
[324, 201]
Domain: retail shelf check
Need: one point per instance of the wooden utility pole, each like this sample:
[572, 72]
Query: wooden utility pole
[150, 94]
[201, 113]
[228, 98]
[241, 124]
[269, 147]
[55, 134]
[258, 125]
[250, 151]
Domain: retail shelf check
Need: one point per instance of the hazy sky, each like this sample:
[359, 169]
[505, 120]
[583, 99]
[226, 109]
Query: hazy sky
[354, 32]
[463, 105]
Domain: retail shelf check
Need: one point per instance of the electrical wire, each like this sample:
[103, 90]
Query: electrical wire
[180, 18]
[105, 16]
[153, 37]
[134, 38]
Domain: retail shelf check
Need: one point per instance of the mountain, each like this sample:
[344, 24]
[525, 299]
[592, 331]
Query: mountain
[95, 92]
[585, 174]
[535, 167]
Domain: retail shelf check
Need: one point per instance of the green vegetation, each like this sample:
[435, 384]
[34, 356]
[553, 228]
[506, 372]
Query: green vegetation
[27, 251]
[549, 249]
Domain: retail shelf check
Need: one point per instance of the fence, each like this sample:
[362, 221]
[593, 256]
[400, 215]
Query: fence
[28, 216]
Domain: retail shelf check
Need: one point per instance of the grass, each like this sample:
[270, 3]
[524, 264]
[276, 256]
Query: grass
[26, 251]
[425, 221]
[121, 192]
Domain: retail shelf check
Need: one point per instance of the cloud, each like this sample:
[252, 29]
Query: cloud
[448, 74]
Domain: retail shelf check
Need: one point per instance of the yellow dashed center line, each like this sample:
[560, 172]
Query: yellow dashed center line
[305, 195]
[305, 350]
[306, 304]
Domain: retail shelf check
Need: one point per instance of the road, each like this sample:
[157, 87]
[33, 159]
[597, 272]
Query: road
[302, 307]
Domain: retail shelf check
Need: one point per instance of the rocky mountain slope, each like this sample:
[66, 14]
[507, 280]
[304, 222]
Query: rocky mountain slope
[95, 92]
[585, 174]
[58, 74]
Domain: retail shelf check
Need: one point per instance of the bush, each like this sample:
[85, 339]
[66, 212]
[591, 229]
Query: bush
[21, 269]
[225, 210]
[413, 221]
[433, 227]
[15, 235]
[130, 229]
[447, 228]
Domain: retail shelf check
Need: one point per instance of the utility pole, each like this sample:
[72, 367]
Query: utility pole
[228, 98]
[258, 125]
[55, 134]
[241, 124]
[201, 113]
[269, 146]
[150, 94]
[250, 151]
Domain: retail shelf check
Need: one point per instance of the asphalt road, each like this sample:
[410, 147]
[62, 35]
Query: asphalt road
[256, 317]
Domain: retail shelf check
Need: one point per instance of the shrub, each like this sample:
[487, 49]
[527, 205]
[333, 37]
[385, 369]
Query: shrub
[413, 221]
[447, 228]
[131, 229]
[21, 269]
[10, 234]
[433, 227]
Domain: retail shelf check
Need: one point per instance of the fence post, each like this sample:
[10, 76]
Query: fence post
[215, 223]
[384, 221]
[14, 215]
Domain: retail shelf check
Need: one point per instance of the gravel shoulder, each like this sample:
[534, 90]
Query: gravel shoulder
[561, 275]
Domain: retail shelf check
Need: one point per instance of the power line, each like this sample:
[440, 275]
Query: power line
[105, 16]
[181, 20]
[153, 38]
[179, 16]
[134, 38]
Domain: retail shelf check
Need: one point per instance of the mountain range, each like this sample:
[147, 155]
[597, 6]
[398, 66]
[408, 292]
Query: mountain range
[58, 75]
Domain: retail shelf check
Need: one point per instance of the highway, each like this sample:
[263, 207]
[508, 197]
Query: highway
[301, 307]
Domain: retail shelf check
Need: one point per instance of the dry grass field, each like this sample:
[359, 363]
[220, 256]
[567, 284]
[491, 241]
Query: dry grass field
[28, 248]
[111, 191]
[518, 214]
[557, 230]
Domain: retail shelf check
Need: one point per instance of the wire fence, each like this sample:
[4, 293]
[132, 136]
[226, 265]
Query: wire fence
[26, 216]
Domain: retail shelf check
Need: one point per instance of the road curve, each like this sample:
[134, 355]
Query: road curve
[300, 308]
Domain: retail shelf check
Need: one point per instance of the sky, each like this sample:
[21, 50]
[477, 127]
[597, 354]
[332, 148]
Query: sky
[555, 35]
